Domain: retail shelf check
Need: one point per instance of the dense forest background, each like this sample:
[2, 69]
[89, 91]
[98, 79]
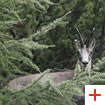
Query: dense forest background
[36, 35]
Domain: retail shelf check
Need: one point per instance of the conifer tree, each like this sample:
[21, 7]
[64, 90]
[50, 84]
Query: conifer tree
[29, 30]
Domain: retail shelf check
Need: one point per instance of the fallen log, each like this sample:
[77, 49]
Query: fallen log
[24, 81]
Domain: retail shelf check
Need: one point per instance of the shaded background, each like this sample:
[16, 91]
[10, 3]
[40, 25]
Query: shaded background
[88, 16]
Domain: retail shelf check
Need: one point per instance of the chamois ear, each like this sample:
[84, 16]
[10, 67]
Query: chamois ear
[78, 45]
[92, 44]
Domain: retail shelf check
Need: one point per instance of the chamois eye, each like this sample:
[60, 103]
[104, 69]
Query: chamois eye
[91, 53]
[79, 55]
[78, 52]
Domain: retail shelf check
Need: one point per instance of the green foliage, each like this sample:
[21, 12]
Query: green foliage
[18, 35]
[38, 34]
[88, 16]
[97, 74]
[42, 94]
[49, 93]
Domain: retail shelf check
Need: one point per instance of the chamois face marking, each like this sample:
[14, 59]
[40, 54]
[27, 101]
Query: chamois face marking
[84, 52]
[84, 55]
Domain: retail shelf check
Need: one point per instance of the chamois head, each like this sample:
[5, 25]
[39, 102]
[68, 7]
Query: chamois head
[84, 52]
